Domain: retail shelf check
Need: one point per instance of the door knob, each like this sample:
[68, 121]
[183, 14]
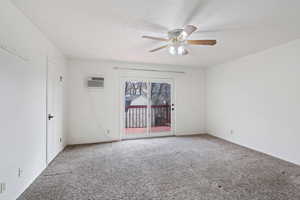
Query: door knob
[50, 116]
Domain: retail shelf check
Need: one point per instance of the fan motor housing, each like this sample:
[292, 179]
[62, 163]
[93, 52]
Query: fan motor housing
[175, 33]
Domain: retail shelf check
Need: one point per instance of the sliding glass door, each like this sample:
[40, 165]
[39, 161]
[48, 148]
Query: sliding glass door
[160, 105]
[135, 112]
[147, 109]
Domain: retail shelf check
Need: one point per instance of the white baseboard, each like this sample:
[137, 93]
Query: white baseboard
[186, 133]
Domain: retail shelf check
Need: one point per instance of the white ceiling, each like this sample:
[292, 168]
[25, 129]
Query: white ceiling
[112, 29]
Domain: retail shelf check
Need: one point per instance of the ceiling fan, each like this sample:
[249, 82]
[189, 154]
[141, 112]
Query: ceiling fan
[178, 40]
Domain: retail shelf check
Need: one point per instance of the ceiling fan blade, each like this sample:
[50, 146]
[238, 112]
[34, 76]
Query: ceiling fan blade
[189, 29]
[159, 48]
[155, 38]
[202, 42]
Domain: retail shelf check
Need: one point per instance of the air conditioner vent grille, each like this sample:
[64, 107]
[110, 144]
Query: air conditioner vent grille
[95, 82]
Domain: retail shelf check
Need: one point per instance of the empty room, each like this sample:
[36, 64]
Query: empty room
[149, 100]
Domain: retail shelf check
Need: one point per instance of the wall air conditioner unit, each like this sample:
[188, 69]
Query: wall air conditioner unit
[95, 82]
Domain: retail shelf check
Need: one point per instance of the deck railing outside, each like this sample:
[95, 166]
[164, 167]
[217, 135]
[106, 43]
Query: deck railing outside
[136, 116]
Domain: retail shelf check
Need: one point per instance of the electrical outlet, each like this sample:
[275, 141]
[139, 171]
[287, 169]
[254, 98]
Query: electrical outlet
[231, 132]
[2, 187]
[20, 172]
[107, 131]
[60, 140]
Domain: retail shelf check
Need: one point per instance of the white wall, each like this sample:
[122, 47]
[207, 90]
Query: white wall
[258, 97]
[23, 100]
[92, 112]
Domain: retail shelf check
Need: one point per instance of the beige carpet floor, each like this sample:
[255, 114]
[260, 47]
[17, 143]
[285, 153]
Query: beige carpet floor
[173, 168]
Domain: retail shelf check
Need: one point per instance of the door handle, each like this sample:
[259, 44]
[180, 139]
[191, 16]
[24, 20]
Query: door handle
[50, 116]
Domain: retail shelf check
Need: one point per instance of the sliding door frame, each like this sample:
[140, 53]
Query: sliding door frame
[149, 80]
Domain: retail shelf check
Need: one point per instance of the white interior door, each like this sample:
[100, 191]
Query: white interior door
[147, 108]
[54, 111]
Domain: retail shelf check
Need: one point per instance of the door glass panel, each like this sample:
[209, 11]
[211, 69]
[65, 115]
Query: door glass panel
[160, 102]
[136, 108]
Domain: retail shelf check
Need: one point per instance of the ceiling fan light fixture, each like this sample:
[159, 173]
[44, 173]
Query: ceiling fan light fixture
[177, 50]
[181, 50]
[177, 40]
[172, 50]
